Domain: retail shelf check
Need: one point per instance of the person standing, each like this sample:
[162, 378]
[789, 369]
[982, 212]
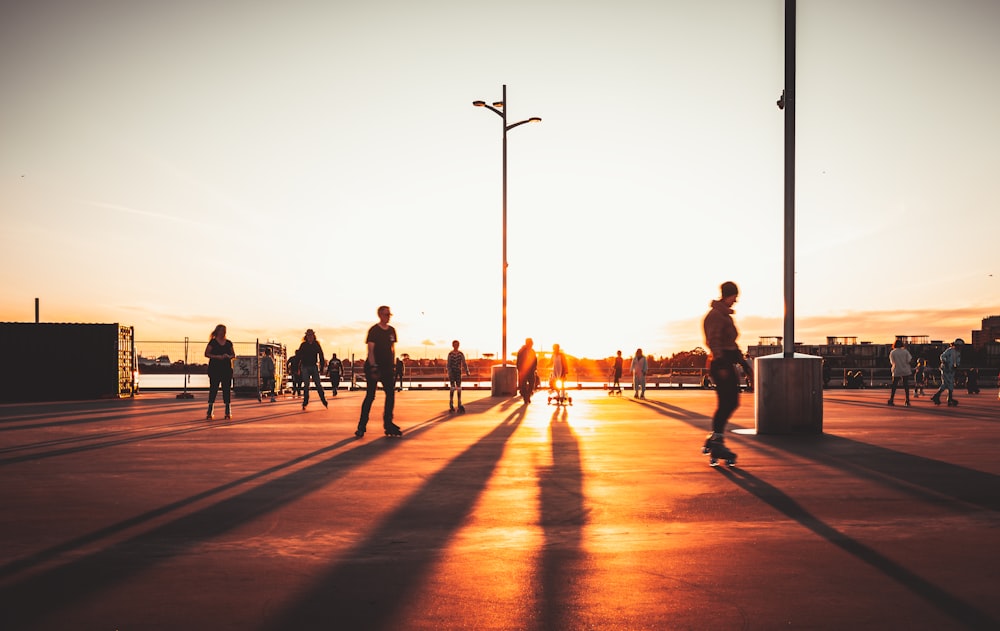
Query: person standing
[379, 366]
[311, 361]
[295, 371]
[899, 359]
[720, 337]
[220, 354]
[639, 369]
[527, 368]
[456, 366]
[920, 377]
[950, 359]
[267, 374]
[972, 380]
[399, 374]
[335, 368]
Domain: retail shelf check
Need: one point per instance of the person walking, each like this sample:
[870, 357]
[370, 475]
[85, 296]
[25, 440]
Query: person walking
[527, 368]
[335, 368]
[899, 359]
[720, 337]
[640, 366]
[311, 362]
[456, 366]
[220, 354]
[267, 374]
[379, 367]
[950, 359]
[399, 374]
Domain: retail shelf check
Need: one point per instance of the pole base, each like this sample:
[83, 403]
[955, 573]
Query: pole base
[503, 381]
[788, 394]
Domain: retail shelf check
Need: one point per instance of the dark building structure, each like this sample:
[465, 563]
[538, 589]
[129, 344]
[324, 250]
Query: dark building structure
[63, 362]
[845, 356]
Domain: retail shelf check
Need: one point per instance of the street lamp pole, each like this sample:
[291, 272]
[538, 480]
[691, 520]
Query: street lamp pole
[499, 108]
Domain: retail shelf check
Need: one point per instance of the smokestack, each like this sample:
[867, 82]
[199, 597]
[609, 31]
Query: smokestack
[36, 310]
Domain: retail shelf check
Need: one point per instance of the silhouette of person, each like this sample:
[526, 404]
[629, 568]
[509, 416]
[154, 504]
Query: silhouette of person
[295, 372]
[527, 367]
[379, 365]
[311, 363]
[972, 381]
[399, 374]
[720, 337]
[456, 366]
[220, 354]
[267, 374]
[335, 368]
[920, 377]
[617, 383]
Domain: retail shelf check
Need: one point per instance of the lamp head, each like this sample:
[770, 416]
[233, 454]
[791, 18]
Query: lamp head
[498, 104]
[479, 103]
[534, 119]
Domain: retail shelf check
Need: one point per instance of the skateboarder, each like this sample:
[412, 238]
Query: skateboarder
[456, 366]
[720, 337]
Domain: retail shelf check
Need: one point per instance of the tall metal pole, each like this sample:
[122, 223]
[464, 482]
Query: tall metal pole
[500, 109]
[788, 99]
[504, 122]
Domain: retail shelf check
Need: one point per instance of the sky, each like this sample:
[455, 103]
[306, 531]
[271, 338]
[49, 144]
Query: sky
[283, 166]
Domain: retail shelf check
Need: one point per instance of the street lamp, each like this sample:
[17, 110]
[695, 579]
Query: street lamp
[499, 108]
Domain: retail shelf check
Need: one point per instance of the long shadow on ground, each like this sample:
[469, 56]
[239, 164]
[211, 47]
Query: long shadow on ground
[959, 610]
[366, 589]
[27, 602]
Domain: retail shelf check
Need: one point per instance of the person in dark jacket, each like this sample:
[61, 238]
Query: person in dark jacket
[220, 354]
[725, 353]
[312, 361]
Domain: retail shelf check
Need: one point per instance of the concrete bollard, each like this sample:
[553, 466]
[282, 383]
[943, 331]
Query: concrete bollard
[788, 394]
[503, 381]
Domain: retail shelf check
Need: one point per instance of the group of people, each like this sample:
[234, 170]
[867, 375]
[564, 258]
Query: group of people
[639, 367]
[727, 363]
[903, 368]
[306, 364]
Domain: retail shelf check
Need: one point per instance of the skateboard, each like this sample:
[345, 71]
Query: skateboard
[560, 399]
[716, 450]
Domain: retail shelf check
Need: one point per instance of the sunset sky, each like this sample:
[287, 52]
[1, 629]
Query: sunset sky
[281, 166]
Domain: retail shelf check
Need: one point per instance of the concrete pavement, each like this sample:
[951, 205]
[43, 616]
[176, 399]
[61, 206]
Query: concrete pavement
[139, 514]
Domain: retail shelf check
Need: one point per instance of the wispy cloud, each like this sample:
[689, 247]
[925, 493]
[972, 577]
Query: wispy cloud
[144, 213]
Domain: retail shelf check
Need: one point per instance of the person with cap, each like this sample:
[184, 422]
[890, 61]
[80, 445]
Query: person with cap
[725, 354]
[950, 359]
[312, 362]
[379, 367]
[899, 359]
